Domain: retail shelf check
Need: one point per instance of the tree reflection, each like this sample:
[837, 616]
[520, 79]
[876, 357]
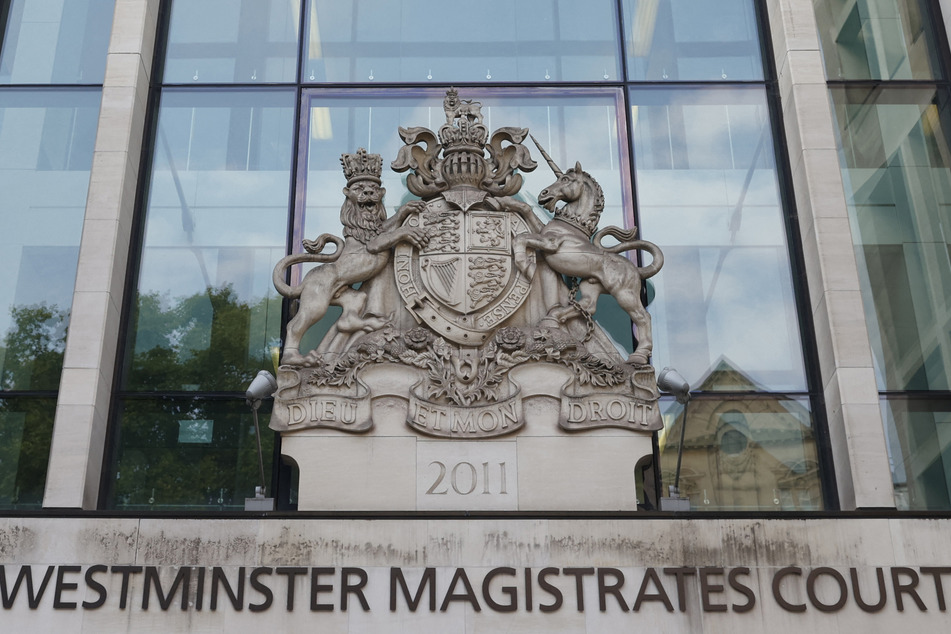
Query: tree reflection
[32, 360]
[26, 427]
[33, 348]
[187, 453]
[193, 451]
[202, 342]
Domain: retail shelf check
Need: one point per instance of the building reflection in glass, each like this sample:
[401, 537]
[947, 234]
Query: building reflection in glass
[750, 452]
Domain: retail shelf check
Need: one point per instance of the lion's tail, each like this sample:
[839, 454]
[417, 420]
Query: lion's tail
[313, 248]
[628, 243]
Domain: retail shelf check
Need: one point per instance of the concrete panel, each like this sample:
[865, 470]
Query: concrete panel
[354, 473]
[579, 473]
[475, 575]
[527, 473]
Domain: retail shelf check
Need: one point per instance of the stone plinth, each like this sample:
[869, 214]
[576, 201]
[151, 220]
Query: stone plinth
[541, 468]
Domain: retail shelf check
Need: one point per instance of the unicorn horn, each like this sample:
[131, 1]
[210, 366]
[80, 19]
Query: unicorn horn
[551, 163]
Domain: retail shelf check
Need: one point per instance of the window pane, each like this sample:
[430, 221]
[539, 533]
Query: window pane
[877, 39]
[689, 40]
[207, 316]
[54, 41]
[423, 40]
[724, 312]
[46, 145]
[232, 41]
[895, 160]
[743, 454]
[572, 126]
[185, 453]
[919, 451]
[26, 426]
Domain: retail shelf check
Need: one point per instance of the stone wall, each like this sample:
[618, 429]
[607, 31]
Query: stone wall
[86, 574]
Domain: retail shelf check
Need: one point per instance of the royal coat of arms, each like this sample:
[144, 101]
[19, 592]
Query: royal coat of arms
[465, 305]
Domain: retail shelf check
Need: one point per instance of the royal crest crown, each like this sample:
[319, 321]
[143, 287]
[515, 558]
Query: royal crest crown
[362, 166]
[464, 129]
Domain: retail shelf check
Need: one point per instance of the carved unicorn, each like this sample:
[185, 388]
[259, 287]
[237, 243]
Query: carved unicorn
[569, 248]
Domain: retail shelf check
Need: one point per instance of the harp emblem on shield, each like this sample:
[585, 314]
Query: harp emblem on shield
[441, 277]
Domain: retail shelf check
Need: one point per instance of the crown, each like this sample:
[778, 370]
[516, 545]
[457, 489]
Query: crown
[362, 166]
[463, 129]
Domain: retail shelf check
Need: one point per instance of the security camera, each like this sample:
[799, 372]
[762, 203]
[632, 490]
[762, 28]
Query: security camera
[669, 380]
[261, 387]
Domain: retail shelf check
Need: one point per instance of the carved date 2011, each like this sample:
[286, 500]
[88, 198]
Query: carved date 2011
[464, 478]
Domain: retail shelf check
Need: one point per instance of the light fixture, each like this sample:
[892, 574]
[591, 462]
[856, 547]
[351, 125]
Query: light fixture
[670, 381]
[262, 387]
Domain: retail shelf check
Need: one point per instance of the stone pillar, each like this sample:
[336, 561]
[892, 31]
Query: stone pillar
[945, 6]
[845, 355]
[82, 410]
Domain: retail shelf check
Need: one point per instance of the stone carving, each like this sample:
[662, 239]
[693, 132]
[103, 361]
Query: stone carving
[369, 237]
[462, 315]
[571, 250]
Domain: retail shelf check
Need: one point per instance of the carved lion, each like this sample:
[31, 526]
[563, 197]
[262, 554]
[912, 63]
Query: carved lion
[369, 237]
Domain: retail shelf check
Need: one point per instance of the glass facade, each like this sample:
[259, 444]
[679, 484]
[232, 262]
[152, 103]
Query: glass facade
[746, 453]
[47, 136]
[895, 163]
[206, 317]
[894, 153]
[234, 179]
[681, 40]
[670, 104]
[232, 41]
[181, 453]
[877, 39]
[421, 41]
[724, 311]
[708, 191]
[26, 425]
[46, 143]
[918, 431]
[54, 42]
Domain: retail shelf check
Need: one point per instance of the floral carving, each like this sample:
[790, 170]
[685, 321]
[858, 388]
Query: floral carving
[510, 339]
[486, 378]
[418, 338]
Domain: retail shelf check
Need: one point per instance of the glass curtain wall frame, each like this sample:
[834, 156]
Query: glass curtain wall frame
[420, 41]
[206, 317]
[26, 430]
[232, 42]
[746, 452]
[187, 453]
[54, 42]
[46, 147]
[886, 62]
[708, 191]
[918, 434]
[895, 154]
[580, 124]
[683, 40]
[878, 39]
[725, 306]
[592, 59]
[203, 316]
[47, 137]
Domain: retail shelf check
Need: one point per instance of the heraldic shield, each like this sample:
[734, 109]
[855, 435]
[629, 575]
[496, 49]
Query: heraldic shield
[463, 284]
